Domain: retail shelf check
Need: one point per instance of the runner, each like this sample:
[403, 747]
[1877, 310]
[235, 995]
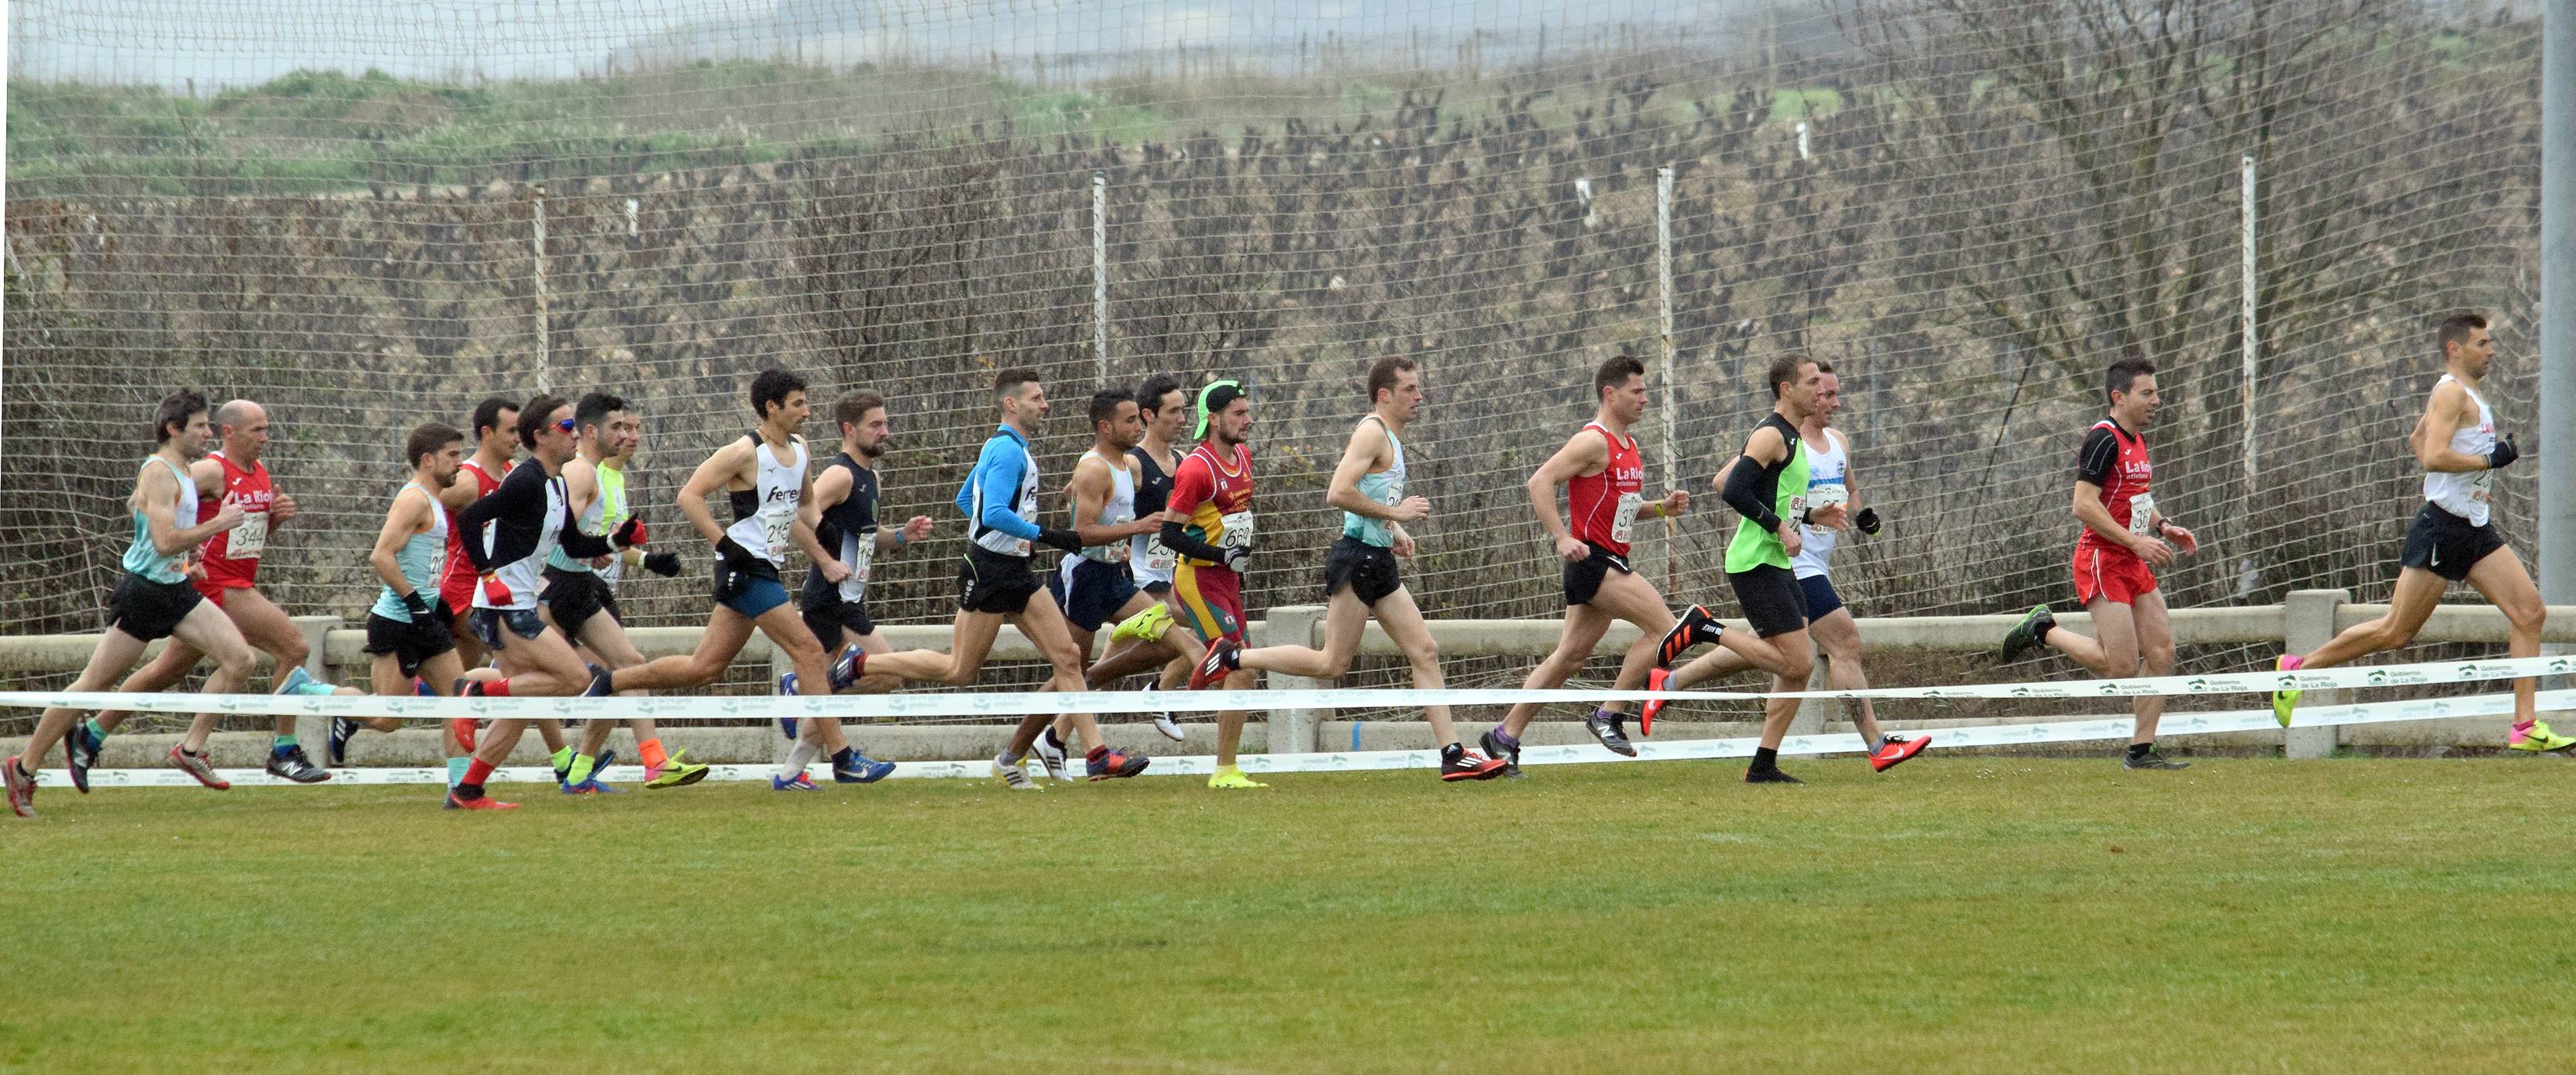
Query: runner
[152, 600]
[995, 586]
[496, 444]
[2453, 538]
[581, 593]
[509, 534]
[1768, 488]
[1213, 490]
[1604, 477]
[763, 476]
[230, 572]
[409, 645]
[1360, 579]
[2125, 538]
[845, 505]
[1828, 483]
[1098, 585]
[1148, 641]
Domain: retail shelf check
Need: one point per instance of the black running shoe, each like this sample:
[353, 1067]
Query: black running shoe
[2029, 634]
[82, 747]
[1511, 757]
[1605, 726]
[293, 765]
[1769, 776]
[598, 683]
[2150, 760]
[336, 749]
[1695, 626]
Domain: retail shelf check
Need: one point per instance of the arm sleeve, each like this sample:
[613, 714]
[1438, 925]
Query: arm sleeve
[510, 499]
[1192, 485]
[1179, 542]
[2098, 459]
[581, 545]
[1743, 493]
[998, 480]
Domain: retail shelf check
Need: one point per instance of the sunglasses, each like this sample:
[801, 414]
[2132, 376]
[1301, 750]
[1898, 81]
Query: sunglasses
[565, 425]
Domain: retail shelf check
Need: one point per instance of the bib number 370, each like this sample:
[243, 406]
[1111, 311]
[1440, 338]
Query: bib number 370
[2142, 512]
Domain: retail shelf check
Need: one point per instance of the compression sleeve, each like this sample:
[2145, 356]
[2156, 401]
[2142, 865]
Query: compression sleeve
[1744, 494]
[1175, 539]
[509, 502]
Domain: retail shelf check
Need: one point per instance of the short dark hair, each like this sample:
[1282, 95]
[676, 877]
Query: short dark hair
[852, 409]
[487, 414]
[175, 411]
[1615, 371]
[594, 408]
[772, 386]
[533, 417]
[1008, 382]
[1104, 405]
[1381, 374]
[428, 438]
[2124, 375]
[2456, 329]
[1149, 396]
[1784, 370]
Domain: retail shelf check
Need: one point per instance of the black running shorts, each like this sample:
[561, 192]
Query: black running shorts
[412, 643]
[149, 610]
[993, 582]
[576, 596]
[838, 623]
[1369, 570]
[1583, 577]
[1771, 599]
[2447, 545]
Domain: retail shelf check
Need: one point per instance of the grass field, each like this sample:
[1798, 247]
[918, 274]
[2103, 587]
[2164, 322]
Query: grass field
[1969, 915]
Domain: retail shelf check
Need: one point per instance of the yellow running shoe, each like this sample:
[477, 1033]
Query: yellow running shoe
[2537, 738]
[1232, 777]
[675, 773]
[1146, 626]
[2285, 703]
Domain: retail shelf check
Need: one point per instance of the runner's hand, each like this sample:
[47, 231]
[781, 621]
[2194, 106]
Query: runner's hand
[1403, 546]
[916, 529]
[2155, 553]
[2183, 540]
[1573, 551]
[1676, 502]
[1413, 509]
[228, 516]
[280, 508]
[1790, 542]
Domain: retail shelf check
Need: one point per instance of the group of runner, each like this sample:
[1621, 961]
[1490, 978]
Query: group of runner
[1155, 538]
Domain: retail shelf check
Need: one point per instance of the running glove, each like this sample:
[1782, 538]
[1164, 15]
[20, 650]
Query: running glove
[414, 604]
[2504, 453]
[496, 591]
[665, 564]
[1238, 559]
[628, 534]
[1867, 521]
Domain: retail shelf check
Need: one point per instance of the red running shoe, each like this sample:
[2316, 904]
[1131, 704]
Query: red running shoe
[479, 802]
[461, 730]
[22, 787]
[1223, 657]
[1470, 765]
[197, 766]
[1893, 750]
[1655, 680]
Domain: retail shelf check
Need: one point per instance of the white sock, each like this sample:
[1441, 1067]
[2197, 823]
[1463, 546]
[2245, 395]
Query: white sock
[797, 760]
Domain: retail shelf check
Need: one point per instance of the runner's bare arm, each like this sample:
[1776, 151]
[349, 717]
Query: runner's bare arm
[713, 476]
[1585, 454]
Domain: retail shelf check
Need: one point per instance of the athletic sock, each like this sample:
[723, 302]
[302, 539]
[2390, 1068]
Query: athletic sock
[494, 688]
[1452, 752]
[1507, 739]
[2139, 750]
[1097, 754]
[283, 745]
[582, 764]
[798, 757]
[1009, 758]
[561, 759]
[1766, 758]
[651, 751]
[95, 732]
[456, 770]
[844, 757]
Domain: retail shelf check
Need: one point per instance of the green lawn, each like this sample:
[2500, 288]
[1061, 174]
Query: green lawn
[1971, 915]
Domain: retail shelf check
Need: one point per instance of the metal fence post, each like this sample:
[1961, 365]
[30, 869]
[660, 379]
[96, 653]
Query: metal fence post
[2307, 622]
[1292, 731]
[317, 663]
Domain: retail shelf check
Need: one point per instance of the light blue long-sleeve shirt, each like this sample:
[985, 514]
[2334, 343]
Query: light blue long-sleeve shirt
[1000, 497]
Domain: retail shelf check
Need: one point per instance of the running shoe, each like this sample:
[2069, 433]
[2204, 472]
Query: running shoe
[787, 726]
[1469, 765]
[1893, 751]
[1494, 748]
[599, 683]
[1050, 753]
[1695, 626]
[195, 765]
[1656, 678]
[592, 786]
[479, 802]
[2537, 738]
[1230, 778]
[22, 787]
[1223, 657]
[81, 748]
[293, 765]
[2029, 634]
[799, 782]
[860, 769]
[1163, 721]
[336, 748]
[1604, 726]
[1769, 776]
[296, 680]
[461, 729]
[2150, 760]
[1113, 765]
[1145, 626]
[672, 773]
[851, 664]
[2284, 703]
[1016, 777]
[421, 688]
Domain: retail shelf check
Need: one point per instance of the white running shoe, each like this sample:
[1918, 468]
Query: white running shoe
[1163, 722]
[1015, 777]
[1049, 754]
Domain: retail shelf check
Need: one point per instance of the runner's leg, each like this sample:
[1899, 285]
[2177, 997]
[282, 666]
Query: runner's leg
[2502, 578]
[1838, 636]
[2154, 629]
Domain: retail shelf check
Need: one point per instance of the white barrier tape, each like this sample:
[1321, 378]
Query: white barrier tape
[1988, 735]
[998, 706]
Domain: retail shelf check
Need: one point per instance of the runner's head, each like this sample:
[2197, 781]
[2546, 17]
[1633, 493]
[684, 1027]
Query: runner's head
[1165, 406]
[1115, 421]
[2131, 387]
[1395, 383]
[547, 430]
[182, 419]
[1619, 386]
[606, 424]
[435, 450]
[243, 427]
[2465, 344]
[1023, 399]
[1794, 380]
[778, 397]
[1225, 413]
[861, 418]
[1829, 394]
[496, 428]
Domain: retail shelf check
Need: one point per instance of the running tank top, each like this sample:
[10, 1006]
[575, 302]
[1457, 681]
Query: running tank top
[1119, 508]
[460, 569]
[849, 530]
[765, 513]
[2467, 495]
[1148, 560]
[1603, 507]
[1785, 489]
[1386, 487]
[2124, 478]
[1222, 512]
[419, 560]
[232, 557]
[612, 499]
[1824, 489]
[140, 557]
[593, 521]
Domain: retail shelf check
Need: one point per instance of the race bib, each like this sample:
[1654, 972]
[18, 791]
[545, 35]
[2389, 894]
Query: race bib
[249, 538]
[2482, 487]
[1116, 552]
[1797, 505]
[1159, 561]
[860, 563]
[774, 528]
[2142, 511]
[1238, 529]
[1623, 522]
[1828, 494]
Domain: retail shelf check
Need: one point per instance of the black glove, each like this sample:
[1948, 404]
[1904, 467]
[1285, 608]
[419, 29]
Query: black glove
[2504, 453]
[415, 604]
[624, 536]
[1067, 540]
[1867, 521]
[665, 564]
[1238, 559]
